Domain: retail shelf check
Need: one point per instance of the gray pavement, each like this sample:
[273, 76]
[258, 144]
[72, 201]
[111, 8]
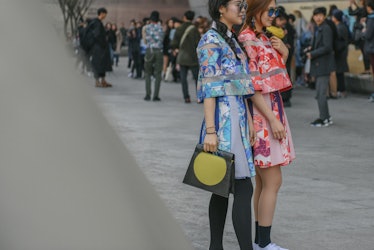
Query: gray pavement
[326, 200]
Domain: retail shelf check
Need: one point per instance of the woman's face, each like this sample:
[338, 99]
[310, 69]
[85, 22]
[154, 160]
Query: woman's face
[171, 23]
[265, 19]
[233, 12]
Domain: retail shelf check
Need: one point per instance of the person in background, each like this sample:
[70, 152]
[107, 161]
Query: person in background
[130, 37]
[117, 46]
[359, 11]
[223, 87]
[273, 147]
[369, 37]
[153, 35]
[322, 64]
[169, 25]
[174, 53]
[134, 44]
[341, 50]
[100, 53]
[332, 92]
[123, 31]
[184, 44]
[111, 37]
[300, 23]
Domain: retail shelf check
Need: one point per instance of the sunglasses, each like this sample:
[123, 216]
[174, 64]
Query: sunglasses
[273, 11]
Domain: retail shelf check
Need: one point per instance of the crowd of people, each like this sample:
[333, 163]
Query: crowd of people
[181, 36]
[241, 60]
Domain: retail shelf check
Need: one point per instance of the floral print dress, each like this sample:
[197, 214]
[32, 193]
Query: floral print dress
[268, 75]
[224, 77]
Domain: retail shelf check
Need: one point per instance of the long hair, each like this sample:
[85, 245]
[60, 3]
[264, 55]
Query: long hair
[255, 7]
[214, 13]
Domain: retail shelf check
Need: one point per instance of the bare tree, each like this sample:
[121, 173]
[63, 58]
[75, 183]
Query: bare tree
[72, 11]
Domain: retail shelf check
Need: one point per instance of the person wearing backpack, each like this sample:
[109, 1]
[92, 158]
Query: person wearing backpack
[185, 42]
[100, 54]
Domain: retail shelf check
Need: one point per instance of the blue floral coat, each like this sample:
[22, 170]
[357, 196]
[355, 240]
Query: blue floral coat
[225, 77]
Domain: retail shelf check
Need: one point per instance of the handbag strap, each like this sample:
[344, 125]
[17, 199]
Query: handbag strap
[185, 34]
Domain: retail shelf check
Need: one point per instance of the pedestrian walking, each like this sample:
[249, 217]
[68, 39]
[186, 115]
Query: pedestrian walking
[322, 64]
[223, 86]
[185, 42]
[153, 35]
[273, 147]
[101, 61]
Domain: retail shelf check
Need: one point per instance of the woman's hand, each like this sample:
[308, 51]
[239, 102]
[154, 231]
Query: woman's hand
[210, 142]
[278, 129]
[252, 133]
[279, 46]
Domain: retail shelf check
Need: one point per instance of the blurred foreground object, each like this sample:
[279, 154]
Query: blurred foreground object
[66, 179]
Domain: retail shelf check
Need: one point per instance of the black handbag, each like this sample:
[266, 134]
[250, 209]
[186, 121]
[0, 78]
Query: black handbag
[213, 172]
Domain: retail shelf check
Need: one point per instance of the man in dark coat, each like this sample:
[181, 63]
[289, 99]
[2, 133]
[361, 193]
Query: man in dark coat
[322, 64]
[185, 42]
[101, 62]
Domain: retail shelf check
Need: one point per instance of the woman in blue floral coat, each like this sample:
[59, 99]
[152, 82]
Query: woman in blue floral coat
[223, 86]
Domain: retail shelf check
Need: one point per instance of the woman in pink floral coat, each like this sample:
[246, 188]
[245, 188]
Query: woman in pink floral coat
[274, 147]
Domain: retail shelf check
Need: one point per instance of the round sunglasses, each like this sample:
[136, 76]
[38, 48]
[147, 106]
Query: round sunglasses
[273, 11]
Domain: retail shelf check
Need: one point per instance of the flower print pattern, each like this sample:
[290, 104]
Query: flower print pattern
[269, 75]
[224, 77]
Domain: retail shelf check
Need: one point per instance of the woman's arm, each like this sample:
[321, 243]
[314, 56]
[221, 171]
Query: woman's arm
[210, 140]
[276, 126]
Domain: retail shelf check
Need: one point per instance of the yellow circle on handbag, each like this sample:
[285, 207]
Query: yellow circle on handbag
[209, 169]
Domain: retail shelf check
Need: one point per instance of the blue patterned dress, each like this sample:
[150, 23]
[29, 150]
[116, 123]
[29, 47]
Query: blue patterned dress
[226, 78]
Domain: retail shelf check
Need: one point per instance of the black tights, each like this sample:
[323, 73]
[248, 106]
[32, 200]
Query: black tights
[241, 216]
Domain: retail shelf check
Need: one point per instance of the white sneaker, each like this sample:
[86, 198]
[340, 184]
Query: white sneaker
[272, 246]
[255, 246]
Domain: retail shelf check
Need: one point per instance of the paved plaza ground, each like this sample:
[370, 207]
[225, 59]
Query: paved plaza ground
[327, 197]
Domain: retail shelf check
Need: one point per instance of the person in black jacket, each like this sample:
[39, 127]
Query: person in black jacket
[322, 64]
[101, 62]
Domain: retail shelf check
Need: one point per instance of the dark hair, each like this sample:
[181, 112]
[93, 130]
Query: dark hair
[291, 17]
[155, 16]
[319, 10]
[101, 10]
[370, 3]
[332, 8]
[214, 13]
[189, 14]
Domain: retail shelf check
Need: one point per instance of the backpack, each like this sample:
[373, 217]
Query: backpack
[87, 38]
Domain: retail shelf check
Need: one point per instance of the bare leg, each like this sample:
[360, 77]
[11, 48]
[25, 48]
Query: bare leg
[271, 179]
[333, 85]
